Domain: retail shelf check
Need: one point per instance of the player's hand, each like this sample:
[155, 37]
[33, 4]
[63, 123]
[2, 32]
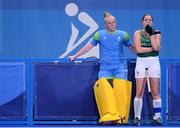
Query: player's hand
[72, 58]
[149, 30]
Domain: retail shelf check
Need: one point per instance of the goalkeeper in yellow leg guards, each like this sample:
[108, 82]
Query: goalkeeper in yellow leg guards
[112, 90]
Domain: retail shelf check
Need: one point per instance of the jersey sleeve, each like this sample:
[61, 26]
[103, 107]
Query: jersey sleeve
[95, 40]
[127, 41]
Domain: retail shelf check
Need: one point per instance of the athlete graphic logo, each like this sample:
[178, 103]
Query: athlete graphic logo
[71, 10]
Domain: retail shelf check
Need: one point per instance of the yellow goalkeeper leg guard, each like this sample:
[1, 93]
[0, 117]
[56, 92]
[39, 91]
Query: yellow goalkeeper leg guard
[106, 101]
[122, 90]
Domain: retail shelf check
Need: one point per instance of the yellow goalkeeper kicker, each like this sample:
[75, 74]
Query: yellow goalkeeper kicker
[122, 90]
[105, 100]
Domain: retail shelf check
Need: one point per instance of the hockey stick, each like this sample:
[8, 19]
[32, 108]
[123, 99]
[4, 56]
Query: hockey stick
[149, 92]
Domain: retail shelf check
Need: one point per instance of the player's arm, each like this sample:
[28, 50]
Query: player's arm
[128, 43]
[93, 42]
[137, 42]
[155, 37]
[132, 48]
[82, 51]
[155, 40]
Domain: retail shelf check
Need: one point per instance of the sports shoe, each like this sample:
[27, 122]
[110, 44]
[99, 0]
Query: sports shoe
[136, 121]
[157, 122]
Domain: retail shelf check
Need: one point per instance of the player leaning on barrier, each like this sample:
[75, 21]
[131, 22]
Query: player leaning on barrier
[147, 43]
[112, 90]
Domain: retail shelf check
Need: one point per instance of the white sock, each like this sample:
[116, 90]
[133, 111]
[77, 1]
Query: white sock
[138, 107]
[157, 108]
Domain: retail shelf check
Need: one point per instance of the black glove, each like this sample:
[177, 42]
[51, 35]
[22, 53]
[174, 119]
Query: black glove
[149, 30]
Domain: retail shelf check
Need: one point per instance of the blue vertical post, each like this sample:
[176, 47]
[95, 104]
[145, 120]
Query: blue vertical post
[164, 90]
[30, 93]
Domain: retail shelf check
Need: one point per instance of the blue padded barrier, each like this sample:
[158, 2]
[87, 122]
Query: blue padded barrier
[173, 91]
[64, 91]
[12, 91]
[46, 99]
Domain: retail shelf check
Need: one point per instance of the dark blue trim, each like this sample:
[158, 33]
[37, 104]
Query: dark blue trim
[156, 110]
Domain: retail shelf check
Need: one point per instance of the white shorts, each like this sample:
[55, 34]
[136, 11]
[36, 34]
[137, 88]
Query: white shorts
[147, 67]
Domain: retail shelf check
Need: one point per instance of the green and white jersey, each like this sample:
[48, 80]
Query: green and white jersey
[146, 42]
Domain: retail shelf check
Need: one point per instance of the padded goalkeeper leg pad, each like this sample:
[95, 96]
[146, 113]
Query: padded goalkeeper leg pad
[122, 90]
[106, 101]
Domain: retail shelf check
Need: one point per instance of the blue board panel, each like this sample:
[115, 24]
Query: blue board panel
[12, 91]
[64, 91]
[173, 91]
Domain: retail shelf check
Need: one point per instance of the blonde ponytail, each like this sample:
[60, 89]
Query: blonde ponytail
[106, 14]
